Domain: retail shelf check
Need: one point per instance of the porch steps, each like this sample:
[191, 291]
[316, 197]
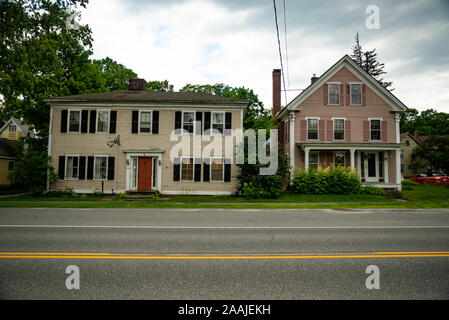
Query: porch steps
[392, 193]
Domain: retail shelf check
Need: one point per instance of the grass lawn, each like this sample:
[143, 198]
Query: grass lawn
[416, 192]
[412, 196]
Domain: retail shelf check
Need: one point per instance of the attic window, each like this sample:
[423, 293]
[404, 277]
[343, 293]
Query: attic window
[334, 93]
[356, 93]
[12, 128]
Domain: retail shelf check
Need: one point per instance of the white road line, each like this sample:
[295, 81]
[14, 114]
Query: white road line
[216, 227]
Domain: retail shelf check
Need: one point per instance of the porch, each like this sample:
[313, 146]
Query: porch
[376, 164]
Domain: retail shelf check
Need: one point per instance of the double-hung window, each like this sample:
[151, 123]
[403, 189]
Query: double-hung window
[312, 129]
[217, 122]
[74, 120]
[188, 121]
[356, 93]
[10, 165]
[314, 159]
[375, 129]
[216, 169]
[339, 129]
[145, 122]
[334, 93]
[12, 127]
[103, 121]
[339, 159]
[186, 169]
[100, 167]
[72, 167]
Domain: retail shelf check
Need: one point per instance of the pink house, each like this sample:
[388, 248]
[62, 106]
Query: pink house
[345, 117]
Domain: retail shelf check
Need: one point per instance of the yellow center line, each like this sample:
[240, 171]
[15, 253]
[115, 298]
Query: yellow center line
[29, 255]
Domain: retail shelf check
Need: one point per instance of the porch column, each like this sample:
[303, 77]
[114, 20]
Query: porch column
[386, 156]
[292, 117]
[398, 168]
[398, 132]
[352, 152]
[306, 158]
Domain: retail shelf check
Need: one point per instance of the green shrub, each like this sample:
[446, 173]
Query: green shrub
[96, 192]
[155, 196]
[335, 180]
[122, 195]
[372, 190]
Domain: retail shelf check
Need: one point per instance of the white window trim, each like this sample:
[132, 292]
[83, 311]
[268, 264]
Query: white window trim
[68, 120]
[213, 132]
[318, 128]
[12, 126]
[137, 172]
[344, 129]
[350, 93]
[381, 119]
[13, 164]
[65, 170]
[339, 91]
[194, 122]
[193, 169]
[317, 153]
[344, 158]
[96, 120]
[210, 168]
[151, 123]
[107, 164]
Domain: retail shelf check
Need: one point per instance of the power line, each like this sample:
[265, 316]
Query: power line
[279, 46]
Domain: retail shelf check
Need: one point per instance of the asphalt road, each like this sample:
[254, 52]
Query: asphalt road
[224, 254]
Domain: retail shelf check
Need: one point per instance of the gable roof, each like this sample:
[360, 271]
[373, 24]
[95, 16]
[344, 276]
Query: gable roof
[22, 126]
[150, 97]
[366, 78]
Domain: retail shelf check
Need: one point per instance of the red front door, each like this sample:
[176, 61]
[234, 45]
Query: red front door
[145, 172]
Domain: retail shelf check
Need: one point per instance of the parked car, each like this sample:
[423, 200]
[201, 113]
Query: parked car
[435, 178]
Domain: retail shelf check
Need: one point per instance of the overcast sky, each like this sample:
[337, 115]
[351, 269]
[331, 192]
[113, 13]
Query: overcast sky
[234, 42]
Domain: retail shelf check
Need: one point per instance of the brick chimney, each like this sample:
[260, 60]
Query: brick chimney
[314, 78]
[416, 134]
[276, 91]
[137, 84]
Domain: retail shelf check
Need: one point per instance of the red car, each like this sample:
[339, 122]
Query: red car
[436, 178]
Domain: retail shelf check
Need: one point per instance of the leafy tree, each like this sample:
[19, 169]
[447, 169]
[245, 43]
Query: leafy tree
[160, 86]
[429, 122]
[368, 61]
[433, 153]
[42, 56]
[116, 75]
[31, 171]
[256, 116]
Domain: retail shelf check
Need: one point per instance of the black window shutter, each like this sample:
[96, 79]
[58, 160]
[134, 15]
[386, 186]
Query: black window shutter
[228, 123]
[111, 169]
[176, 169]
[82, 168]
[155, 126]
[113, 122]
[178, 116]
[135, 122]
[93, 119]
[84, 116]
[61, 167]
[63, 120]
[90, 168]
[207, 122]
[199, 123]
[206, 169]
[197, 173]
[227, 170]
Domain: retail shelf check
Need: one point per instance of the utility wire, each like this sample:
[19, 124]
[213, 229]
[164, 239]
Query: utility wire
[279, 46]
